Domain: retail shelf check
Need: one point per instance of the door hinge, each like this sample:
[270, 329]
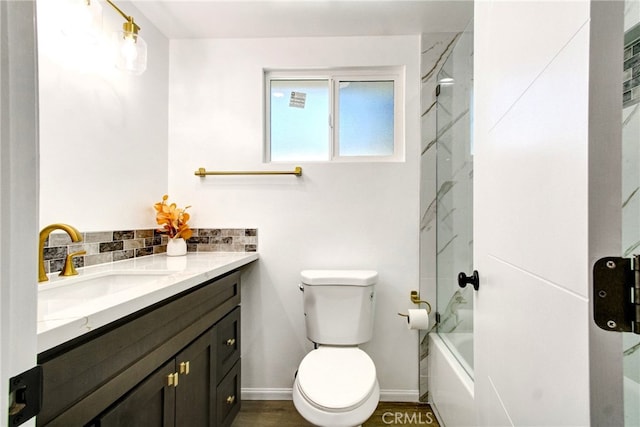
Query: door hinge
[25, 396]
[616, 294]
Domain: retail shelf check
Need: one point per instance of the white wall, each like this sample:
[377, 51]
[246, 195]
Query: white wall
[348, 215]
[103, 133]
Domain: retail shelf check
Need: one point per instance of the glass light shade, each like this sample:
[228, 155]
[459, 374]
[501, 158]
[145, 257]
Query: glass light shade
[83, 19]
[130, 52]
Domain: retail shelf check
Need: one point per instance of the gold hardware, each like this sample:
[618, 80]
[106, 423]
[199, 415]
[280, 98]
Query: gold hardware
[202, 172]
[16, 408]
[172, 379]
[231, 341]
[132, 53]
[184, 368]
[129, 27]
[44, 233]
[69, 269]
[415, 298]
[230, 400]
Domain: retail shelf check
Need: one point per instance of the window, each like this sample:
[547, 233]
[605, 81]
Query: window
[339, 115]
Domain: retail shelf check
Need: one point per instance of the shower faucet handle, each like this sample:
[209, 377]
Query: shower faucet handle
[464, 280]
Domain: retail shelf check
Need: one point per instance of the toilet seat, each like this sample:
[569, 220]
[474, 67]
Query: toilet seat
[336, 379]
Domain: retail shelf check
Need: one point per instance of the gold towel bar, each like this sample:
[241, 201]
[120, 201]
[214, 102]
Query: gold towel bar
[202, 172]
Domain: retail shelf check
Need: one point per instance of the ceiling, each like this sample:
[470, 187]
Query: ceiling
[178, 19]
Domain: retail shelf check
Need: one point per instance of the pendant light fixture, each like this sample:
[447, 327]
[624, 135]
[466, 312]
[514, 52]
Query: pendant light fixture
[83, 20]
[130, 47]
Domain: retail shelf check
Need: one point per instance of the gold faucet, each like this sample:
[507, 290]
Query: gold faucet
[71, 231]
[69, 269]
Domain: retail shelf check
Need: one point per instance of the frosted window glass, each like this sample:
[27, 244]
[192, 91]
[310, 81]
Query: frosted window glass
[366, 118]
[299, 120]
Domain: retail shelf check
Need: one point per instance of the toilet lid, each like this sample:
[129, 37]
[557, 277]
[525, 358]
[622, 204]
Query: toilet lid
[336, 378]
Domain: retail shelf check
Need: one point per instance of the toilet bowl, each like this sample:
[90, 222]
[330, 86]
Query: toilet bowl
[336, 387]
[336, 384]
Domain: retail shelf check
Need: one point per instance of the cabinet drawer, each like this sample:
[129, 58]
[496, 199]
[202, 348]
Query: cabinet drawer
[228, 397]
[228, 344]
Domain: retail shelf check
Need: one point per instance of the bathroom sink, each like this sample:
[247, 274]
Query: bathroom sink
[71, 296]
[96, 285]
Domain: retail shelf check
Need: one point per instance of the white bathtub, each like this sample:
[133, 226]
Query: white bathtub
[450, 384]
[460, 344]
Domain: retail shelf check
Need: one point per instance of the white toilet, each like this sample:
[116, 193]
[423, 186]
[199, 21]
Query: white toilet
[336, 384]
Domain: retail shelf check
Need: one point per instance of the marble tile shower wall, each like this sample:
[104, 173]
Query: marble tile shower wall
[435, 48]
[108, 246]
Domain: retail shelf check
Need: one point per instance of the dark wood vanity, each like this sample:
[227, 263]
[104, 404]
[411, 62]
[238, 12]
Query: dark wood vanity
[175, 363]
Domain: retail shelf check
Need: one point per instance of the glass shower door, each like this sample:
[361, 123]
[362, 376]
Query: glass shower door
[454, 210]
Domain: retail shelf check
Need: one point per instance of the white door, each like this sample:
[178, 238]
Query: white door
[18, 195]
[546, 206]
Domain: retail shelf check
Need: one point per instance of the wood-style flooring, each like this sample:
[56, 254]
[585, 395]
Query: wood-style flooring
[282, 413]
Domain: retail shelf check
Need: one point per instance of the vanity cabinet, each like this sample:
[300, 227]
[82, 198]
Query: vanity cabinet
[186, 391]
[174, 364]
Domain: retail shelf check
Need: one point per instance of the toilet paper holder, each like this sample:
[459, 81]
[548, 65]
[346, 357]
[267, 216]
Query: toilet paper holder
[415, 298]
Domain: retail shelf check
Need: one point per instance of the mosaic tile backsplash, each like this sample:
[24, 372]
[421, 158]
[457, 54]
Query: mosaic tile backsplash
[109, 246]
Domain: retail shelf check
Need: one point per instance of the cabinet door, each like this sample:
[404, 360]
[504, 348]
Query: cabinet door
[150, 404]
[195, 394]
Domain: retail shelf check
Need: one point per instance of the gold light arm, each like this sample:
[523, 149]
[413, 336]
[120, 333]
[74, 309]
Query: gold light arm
[202, 172]
[130, 26]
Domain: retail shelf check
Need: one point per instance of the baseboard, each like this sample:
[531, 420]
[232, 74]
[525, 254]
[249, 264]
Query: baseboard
[285, 394]
[266, 394]
[399, 396]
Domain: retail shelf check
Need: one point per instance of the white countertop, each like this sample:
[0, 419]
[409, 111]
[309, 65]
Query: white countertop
[67, 309]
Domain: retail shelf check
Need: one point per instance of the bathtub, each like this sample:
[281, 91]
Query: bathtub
[460, 344]
[450, 383]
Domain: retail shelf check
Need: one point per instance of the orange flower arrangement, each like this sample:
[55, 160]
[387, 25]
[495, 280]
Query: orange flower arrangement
[173, 221]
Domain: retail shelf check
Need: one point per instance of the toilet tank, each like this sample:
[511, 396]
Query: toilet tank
[339, 305]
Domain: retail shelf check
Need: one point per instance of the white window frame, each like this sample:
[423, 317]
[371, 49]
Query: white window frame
[334, 76]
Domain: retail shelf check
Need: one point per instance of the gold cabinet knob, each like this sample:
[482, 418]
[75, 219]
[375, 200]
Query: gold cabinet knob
[184, 367]
[231, 341]
[230, 400]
